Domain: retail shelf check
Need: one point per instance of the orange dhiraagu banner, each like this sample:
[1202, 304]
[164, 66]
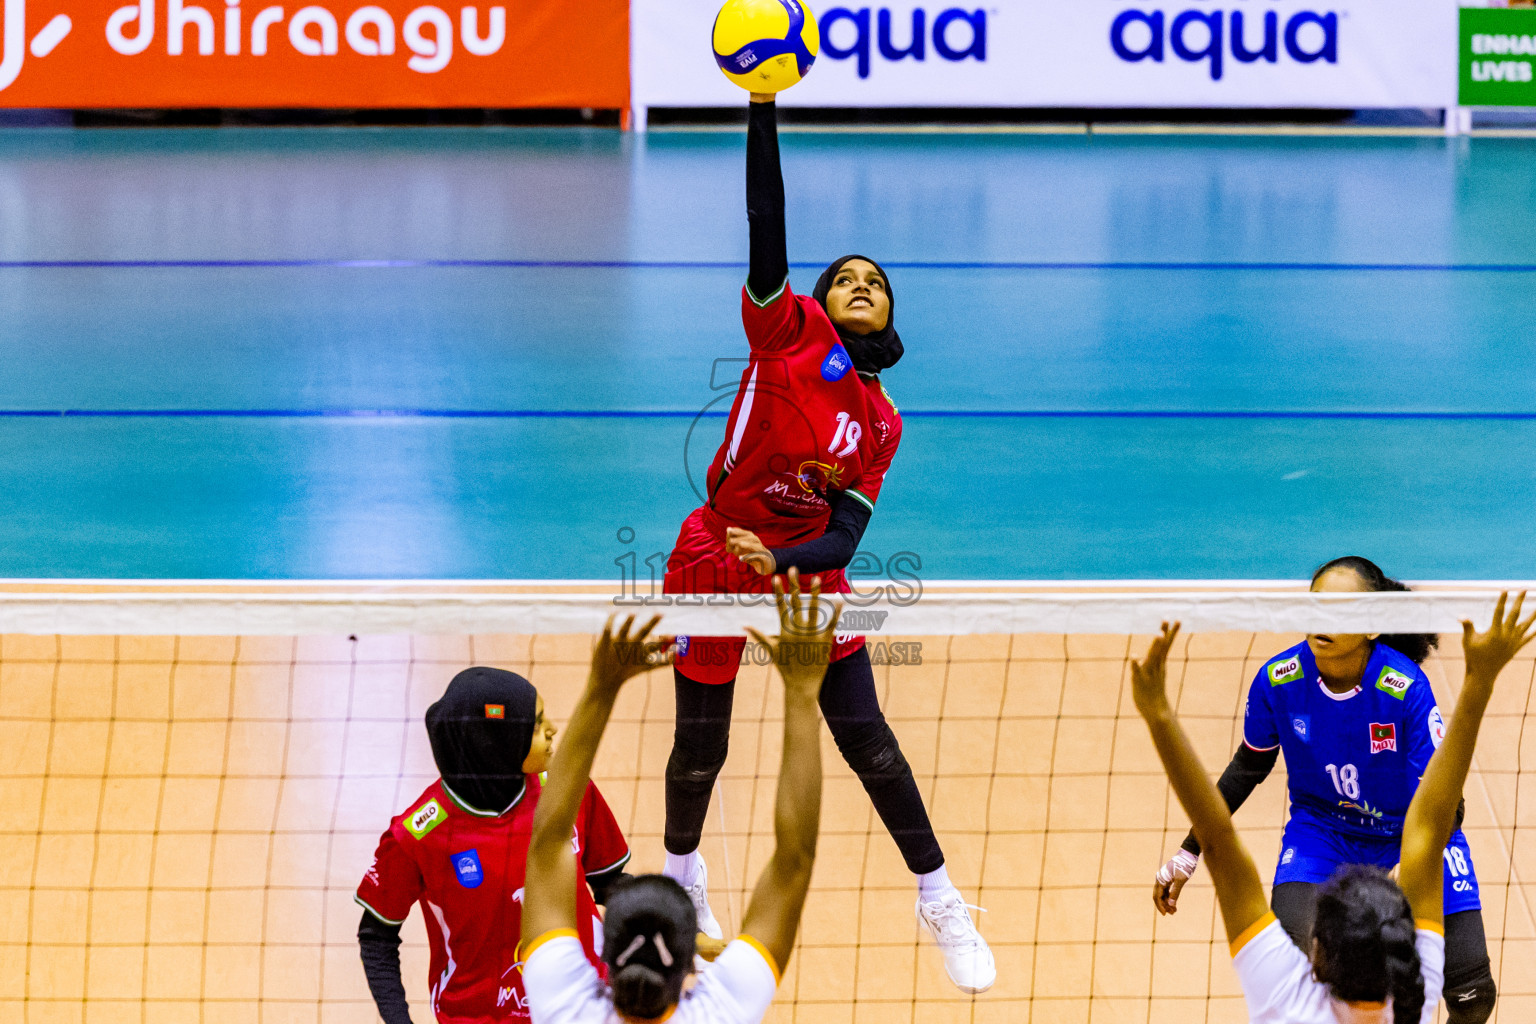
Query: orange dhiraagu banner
[326, 53]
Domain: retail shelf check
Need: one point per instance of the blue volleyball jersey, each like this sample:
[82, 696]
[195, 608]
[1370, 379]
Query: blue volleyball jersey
[1353, 759]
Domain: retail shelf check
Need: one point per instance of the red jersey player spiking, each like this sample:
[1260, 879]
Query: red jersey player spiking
[810, 437]
[460, 849]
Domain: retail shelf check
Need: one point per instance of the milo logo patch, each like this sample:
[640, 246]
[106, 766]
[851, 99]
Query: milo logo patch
[1282, 672]
[426, 818]
[1393, 682]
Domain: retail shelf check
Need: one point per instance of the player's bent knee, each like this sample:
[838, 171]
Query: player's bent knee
[696, 773]
[1471, 1002]
[696, 764]
[875, 756]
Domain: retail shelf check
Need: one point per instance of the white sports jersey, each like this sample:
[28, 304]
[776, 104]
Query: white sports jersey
[1278, 984]
[563, 986]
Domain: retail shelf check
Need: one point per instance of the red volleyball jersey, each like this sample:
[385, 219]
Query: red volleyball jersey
[803, 423]
[466, 870]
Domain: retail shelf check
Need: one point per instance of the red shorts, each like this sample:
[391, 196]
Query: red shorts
[699, 564]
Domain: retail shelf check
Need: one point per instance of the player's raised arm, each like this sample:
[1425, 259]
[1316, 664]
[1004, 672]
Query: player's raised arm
[1432, 814]
[549, 900]
[768, 269]
[1238, 888]
[800, 651]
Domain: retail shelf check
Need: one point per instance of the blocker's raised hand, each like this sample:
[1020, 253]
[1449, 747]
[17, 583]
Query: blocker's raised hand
[1149, 685]
[1487, 653]
[619, 657]
[804, 644]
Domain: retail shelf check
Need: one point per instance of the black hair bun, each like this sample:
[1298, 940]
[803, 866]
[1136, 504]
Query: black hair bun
[639, 991]
[648, 943]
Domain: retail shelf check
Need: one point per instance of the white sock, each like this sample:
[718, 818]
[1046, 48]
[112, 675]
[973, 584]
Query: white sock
[682, 868]
[934, 884]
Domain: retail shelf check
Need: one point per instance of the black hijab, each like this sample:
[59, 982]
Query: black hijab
[481, 730]
[871, 353]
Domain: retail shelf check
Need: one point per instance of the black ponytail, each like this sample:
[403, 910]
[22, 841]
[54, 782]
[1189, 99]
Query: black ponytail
[648, 944]
[1414, 646]
[1404, 974]
[1366, 947]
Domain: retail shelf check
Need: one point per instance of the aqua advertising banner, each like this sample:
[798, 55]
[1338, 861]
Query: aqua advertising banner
[1099, 53]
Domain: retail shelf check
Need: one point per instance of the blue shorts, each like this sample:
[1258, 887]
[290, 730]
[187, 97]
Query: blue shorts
[1312, 850]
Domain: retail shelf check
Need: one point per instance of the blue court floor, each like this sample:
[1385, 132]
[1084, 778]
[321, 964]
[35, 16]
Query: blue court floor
[303, 353]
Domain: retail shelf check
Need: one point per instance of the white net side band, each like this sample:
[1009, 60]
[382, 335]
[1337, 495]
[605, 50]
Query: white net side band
[930, 614]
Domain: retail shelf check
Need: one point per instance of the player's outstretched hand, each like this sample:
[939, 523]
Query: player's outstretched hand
[804, 644]
[745, 546]
[619, 657]
[1170, 880]
[1149, 686]
[1487, 653]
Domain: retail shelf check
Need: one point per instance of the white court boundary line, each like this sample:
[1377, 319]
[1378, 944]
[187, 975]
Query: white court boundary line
[307, 612]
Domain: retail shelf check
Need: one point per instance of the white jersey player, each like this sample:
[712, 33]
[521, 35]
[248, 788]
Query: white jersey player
[649, 930]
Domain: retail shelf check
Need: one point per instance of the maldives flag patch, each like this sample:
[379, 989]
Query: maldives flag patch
[1383, 737]
[495, 711]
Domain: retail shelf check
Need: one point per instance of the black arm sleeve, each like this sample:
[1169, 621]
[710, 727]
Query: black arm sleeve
[380, 947]
[769, 268]
[1245, 771]
[602, 882]
[834, 549]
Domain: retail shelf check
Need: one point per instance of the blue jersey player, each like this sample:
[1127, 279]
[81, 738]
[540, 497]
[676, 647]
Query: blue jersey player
[1358, 723]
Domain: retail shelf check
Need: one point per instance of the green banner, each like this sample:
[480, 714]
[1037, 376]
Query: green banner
[1498, 57]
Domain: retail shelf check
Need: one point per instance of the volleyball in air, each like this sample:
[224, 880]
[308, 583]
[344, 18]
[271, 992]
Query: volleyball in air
[765, 45]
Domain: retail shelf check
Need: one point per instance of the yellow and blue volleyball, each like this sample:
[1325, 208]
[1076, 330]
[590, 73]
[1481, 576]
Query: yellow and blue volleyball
[765, 45]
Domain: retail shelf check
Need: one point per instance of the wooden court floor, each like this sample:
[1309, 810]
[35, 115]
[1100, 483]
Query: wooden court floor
[183, 822]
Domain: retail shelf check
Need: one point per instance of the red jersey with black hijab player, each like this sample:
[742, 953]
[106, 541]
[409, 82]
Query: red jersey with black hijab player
[805, 422]
[461, 847]
[810, 438]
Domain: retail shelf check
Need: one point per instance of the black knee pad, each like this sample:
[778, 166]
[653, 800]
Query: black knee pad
[873, 754]
[1471, 1001]
[1470, 993]
[1295, 904]
[696, 762]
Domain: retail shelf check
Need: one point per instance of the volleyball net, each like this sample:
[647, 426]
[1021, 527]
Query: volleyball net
[193, 780]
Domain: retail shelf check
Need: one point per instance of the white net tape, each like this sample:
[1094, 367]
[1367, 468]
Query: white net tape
[931, 614]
